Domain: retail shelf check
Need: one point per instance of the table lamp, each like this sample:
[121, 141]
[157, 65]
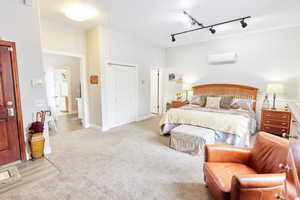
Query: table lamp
[186, 87]
[275, 89]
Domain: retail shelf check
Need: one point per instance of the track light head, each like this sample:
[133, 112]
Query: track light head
[212, 30]
[173, 38]
[244, 24]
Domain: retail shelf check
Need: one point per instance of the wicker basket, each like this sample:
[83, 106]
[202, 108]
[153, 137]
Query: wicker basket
[37, 143]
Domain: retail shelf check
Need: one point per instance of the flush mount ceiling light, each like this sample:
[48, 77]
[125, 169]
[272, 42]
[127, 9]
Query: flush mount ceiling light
[210, 27]
[80, 12]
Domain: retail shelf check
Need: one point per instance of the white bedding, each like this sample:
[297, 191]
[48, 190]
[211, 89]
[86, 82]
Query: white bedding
[235, 122]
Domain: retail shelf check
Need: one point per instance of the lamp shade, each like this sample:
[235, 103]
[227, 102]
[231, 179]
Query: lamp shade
[186, 87]
[275, 88]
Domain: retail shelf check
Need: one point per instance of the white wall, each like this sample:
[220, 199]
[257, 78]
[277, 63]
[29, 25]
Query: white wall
[94, 68]
[122, 48]
[263, 57]
[62, 37]
[20, 24]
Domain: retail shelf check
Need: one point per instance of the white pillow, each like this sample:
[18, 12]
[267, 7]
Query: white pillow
[244, 104]
[213, 102]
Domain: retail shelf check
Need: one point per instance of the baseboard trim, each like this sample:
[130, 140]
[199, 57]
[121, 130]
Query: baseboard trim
[94, 126]
[105, 129]
[145, 117]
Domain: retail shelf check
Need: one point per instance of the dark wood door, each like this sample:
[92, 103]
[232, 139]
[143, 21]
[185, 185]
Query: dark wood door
[9, 136]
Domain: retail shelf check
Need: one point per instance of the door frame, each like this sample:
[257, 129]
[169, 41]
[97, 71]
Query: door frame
[19, 114]
[83, 80]
[69, 104]
[160, 89]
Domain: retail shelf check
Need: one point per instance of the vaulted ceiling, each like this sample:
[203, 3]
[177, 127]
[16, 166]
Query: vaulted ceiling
[155, 20]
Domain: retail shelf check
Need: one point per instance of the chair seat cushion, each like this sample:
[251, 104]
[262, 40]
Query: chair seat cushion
[219, 175]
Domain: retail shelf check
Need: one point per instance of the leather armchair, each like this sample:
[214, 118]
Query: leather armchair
[239, 173]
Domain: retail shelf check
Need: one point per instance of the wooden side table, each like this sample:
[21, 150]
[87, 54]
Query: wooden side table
[276, 121]
[177, 104]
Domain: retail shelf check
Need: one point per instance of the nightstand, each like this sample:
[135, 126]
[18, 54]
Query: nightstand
[276, 121]
[177, 104]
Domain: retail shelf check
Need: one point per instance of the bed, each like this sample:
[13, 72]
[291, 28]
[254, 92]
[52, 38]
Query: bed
[231, 126]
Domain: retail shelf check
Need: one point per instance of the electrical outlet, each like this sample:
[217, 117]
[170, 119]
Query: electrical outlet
[28, 3]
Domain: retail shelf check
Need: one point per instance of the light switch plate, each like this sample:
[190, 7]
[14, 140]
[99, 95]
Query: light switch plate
[39, 103]
[37, 83]
[28, 2]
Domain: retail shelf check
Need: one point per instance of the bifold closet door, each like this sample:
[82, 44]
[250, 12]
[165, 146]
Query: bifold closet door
[123, 92]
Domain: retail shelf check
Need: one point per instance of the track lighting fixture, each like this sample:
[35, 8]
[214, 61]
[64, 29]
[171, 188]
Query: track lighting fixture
[193, 21]
[244, 24]
[173, 38]
[210, 27]
[212, 30]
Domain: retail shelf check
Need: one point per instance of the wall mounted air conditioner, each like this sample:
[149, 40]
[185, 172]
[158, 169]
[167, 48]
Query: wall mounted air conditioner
[222, 58]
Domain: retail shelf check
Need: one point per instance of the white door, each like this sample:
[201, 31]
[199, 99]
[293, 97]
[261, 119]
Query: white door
[154, 91]
[123, 94]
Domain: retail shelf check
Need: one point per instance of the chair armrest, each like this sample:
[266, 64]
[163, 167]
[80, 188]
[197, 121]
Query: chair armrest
[227, 153]
[257, 186]
[260, 180]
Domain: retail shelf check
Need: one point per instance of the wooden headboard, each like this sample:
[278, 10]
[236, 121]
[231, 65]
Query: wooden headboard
[238, 91]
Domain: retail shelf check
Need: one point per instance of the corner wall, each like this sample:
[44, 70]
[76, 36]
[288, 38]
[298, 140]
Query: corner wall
[23, 28]
[123, 48]
[61, 37]
[94, 68]
[107, 45]
[20, 24]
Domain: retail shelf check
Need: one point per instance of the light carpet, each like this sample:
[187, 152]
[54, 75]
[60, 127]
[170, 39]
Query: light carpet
[131, 162]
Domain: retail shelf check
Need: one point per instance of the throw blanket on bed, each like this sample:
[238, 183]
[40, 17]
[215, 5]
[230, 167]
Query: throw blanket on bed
[236, 122]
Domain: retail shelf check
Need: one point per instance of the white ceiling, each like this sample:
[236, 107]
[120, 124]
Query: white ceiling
[155, 20]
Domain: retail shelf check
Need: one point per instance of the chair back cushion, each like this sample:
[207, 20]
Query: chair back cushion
[268, 153]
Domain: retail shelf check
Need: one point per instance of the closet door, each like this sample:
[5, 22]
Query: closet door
[123, 94]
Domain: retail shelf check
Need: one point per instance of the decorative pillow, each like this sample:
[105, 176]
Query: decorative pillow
[213, 102]
[195, 100]
[199, 100]
[226, 102]
[244, 104]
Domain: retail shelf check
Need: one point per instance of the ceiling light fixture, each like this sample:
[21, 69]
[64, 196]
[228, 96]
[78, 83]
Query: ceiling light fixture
[192, 20]
[212, 30]
[244, 24]
[210, 27]
[80, 13]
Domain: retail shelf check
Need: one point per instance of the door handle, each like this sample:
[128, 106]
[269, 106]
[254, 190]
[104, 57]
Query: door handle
[9, 103]
[10, 112]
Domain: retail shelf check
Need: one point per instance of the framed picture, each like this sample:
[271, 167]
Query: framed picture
[94, 79]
